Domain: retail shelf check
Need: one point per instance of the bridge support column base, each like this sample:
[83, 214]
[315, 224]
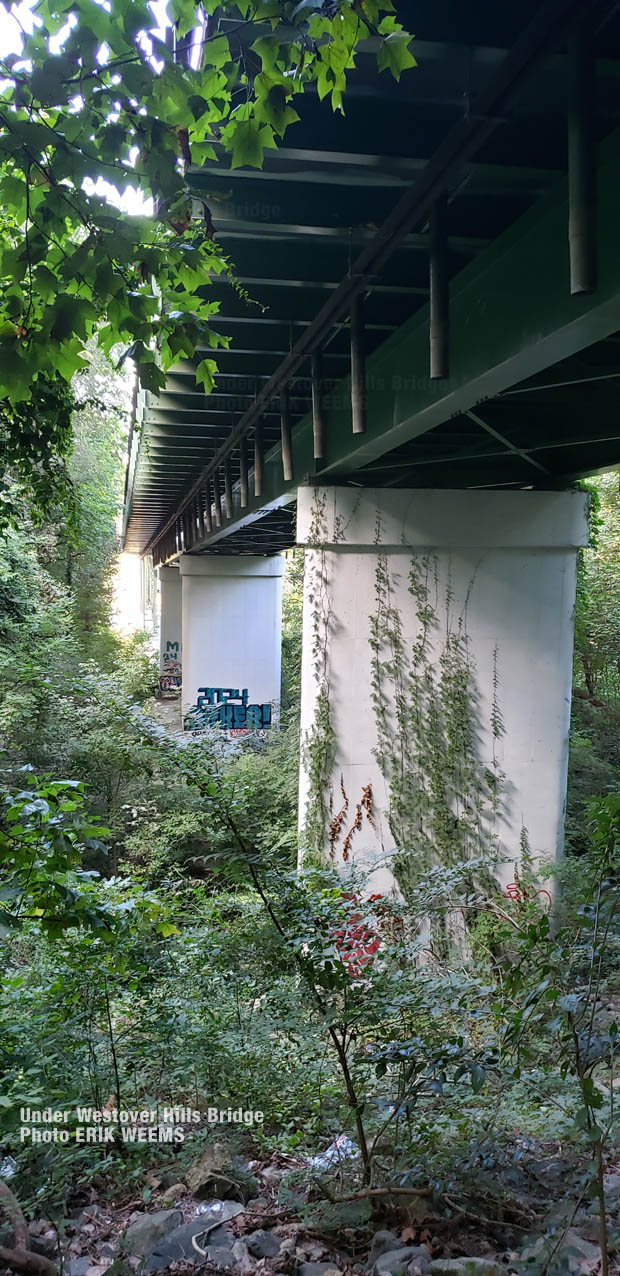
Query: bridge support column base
[436, 675]
[232, 623]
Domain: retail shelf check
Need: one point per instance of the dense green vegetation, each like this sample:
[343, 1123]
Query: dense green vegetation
[595, 742]
[158, 944]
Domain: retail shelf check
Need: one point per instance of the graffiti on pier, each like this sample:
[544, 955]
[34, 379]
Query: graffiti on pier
[228, 708]
[171, 664]
[170, 676]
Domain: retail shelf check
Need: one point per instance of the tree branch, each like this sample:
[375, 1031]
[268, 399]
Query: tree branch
[20, 1258]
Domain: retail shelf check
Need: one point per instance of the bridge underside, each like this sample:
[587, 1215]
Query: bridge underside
[531, 393]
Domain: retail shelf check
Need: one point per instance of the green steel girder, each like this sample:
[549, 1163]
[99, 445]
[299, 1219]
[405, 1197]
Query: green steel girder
[512, 317]
[482, 118]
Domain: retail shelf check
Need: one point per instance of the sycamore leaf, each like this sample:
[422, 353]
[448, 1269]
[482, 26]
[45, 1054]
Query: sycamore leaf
[47, 85]
[166, 929]
[71, 316]
[395, 55]
[205, 374]
[267, 49]
[249, 142]
[151, 377]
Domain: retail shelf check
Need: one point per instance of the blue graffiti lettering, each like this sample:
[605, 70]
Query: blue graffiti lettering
[227, 708]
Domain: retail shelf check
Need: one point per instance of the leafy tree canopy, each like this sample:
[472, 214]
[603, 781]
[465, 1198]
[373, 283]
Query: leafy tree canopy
[94, 93]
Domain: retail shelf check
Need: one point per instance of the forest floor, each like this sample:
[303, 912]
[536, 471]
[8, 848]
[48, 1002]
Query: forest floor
[286, 1217]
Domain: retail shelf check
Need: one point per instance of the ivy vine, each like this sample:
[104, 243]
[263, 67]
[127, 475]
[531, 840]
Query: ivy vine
[443, 802]
[319, 741]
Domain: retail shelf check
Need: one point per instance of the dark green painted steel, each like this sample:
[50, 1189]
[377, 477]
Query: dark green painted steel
[532, 396]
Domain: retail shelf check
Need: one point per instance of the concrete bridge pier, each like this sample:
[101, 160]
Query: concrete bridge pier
[436, 674]
[232, 626]
[170, 629]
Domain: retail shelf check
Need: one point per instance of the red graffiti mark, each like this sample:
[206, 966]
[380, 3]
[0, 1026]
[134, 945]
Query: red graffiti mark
[358, 941]
[520, 894]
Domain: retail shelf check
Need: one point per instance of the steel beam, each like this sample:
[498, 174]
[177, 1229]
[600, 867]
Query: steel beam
[492, 350]
[459, 146]
[581, 162]
[512, 318]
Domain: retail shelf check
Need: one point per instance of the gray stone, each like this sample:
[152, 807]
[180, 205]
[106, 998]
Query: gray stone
[213, 1174]
[177, 1246]
[78, 1266]
[382, 1243]
[108, 1250]
[46, 1246]
[466, 1266]
[589, 1224]
[262, 1244]
[612, 1202]
[174, 1193]
[141, 1235]
[170, 1178]
[420, 1264]
[219, 1256]
[397, 1260]
[574, 1249]
[584, 1249]
[243, 1262]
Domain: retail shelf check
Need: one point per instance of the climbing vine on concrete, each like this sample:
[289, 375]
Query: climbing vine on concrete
[318, 742]
[325, 826]
[444, 802]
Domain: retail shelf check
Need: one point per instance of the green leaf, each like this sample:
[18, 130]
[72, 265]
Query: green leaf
[151, 377]
[205, 374]
[249, 141]
[395, 54]
[47, 84]
[477, 1077]
[71, 317]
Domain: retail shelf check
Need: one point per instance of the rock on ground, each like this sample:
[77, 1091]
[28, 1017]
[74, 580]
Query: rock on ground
[220, 1256]
[398, 1260]
[175, 1192]
[243, 1262]
[177, 1246]
[262, 1244]
[574, 1250]
[382, 1243]
[78, 1266]
[142, 1234]
[213, 1174]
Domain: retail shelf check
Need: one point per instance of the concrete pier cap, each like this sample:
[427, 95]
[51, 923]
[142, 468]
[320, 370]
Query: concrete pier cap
[484, 578]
